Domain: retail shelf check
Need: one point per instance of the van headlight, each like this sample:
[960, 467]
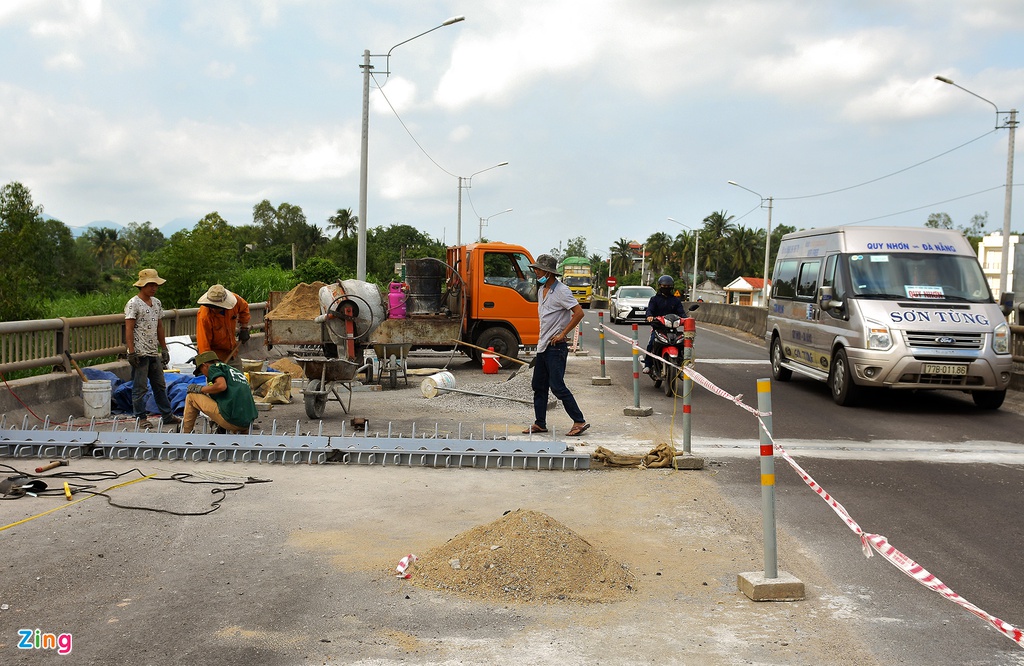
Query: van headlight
[1001, 338]
[878, 337]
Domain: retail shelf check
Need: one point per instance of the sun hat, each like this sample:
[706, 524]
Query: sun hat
[547, 263]
[147, 275]
[205, 357]
[219, 296]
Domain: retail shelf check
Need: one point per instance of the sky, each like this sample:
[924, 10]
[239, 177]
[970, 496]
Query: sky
[613, 115]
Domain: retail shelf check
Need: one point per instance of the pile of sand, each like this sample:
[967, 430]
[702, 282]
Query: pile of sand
[302, 302]
[288, 366]
[523, 556]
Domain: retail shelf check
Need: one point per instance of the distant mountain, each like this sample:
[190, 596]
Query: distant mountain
[98, 224]
[177, 224]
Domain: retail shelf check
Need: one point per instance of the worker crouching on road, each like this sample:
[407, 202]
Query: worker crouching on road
[220, 313]
[226, 398]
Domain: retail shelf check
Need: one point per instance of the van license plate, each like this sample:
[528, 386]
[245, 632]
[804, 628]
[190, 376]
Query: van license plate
[957, 370]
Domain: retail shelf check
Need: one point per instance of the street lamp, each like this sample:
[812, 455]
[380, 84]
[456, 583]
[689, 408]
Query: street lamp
[767, 240]
[366, 67]
[696, 249]
[1011, 124]
[483, 222]
[468, 180]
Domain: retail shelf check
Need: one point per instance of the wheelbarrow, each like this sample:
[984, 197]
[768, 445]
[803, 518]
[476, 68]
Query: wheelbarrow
[322, 377]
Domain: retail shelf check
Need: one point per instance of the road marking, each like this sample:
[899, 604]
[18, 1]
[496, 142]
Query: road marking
[707, 361]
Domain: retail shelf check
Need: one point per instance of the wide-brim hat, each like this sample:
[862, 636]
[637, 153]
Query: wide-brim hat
[205, 357]
[147, 275]
[547, 263]
[219, 296]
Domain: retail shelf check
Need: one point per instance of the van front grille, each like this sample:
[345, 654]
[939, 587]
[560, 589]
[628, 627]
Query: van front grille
[940, 340]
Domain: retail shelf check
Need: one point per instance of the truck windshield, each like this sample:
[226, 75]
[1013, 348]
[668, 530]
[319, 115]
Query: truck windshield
[576, 281]
[918, 276]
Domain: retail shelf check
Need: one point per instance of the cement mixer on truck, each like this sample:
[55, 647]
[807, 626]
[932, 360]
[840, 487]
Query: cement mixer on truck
[483, 293]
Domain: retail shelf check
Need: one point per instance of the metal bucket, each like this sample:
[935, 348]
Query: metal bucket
[96, 398]
[425, 278]
[436, 383]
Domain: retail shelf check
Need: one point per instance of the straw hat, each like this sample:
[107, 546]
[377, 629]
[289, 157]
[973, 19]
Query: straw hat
[219, 296]
[147, 275]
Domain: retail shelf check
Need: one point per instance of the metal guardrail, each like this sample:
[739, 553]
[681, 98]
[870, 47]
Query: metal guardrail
[41, 343]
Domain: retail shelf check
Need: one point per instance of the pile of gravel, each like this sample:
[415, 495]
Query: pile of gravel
[524, 556]
[518, 388]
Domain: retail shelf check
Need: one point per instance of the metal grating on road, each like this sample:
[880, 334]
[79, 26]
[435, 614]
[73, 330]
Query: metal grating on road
[430, 449]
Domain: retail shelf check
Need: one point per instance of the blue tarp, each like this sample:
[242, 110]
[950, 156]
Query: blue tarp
[121, 391]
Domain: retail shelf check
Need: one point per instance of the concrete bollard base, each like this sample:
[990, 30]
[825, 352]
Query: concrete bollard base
[786, 587]
[601, 381]
[687, 461]
[638, 411]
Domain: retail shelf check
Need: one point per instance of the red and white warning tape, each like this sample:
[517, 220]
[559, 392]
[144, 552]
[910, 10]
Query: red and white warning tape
[868, 540]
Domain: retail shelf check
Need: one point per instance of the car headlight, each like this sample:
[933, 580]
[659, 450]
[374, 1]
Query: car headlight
[878, 337]
[1001, 338]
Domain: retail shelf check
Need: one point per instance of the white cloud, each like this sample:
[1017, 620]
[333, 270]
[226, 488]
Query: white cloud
[65, 60]
[220, 70]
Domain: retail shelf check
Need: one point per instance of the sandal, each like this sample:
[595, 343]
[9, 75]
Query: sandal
[578, 430]
[534, 429]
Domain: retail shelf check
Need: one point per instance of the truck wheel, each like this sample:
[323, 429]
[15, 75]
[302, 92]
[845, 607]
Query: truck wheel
[779, 373]
[844, 391]
[500, 339]
[988, 399]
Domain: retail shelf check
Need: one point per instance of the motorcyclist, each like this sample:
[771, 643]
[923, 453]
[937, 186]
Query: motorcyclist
[662, 303]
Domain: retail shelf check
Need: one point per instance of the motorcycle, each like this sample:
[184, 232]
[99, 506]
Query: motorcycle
[668, 350]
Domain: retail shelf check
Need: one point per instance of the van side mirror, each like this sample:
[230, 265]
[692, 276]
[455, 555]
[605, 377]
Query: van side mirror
[827, 301]
[1006, 302]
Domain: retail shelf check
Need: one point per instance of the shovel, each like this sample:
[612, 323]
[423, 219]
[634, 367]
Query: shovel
[522, 364]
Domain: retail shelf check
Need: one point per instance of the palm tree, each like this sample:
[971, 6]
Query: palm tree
[717, 227]
[744, 250]
[344, 221]
[104, 242]
[659, 249]
[622, 257]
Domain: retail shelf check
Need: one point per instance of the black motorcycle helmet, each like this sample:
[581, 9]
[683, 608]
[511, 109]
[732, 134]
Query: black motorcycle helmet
[666, 285]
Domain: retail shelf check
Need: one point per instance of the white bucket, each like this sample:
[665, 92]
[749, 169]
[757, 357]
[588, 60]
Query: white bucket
[96, 398]
[442, 380]
[183, 368]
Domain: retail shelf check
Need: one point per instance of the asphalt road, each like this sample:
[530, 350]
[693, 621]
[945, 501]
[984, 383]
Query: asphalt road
[939, 478]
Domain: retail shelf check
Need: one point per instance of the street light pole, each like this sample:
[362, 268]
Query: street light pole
[364, 144]
[483, 223]
[696, 250]
[1011, 124]
[469, 183]
[767, 241]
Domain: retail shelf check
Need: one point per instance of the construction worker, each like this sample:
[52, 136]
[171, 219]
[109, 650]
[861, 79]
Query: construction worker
[147, 348]
[220, 313]
[225, 398]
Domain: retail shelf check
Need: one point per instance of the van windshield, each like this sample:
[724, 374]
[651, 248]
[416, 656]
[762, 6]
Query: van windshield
[918, 276]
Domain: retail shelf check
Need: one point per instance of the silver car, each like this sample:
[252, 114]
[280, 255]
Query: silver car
[629, 304]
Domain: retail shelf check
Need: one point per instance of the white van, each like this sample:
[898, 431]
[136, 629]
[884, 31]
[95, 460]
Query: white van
[895, 307]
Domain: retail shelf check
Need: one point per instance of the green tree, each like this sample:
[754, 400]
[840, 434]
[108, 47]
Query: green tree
[659, 250]
[37, 256]
[278, 229]
[142, 238]
[576, 247]
[104, 241]
[939, 221]
[194, 259]
[745, 253]
[714, 246]
[622, 257]
[319, 269]
[344, 221]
